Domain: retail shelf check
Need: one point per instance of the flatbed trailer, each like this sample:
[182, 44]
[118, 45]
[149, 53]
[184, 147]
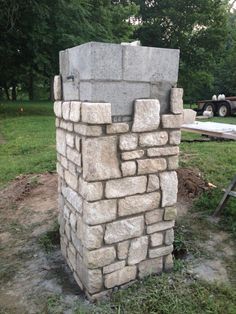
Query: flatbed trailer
[221, 108]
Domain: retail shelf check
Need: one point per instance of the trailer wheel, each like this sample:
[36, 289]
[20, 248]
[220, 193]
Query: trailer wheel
[208, 107]
[223, 110]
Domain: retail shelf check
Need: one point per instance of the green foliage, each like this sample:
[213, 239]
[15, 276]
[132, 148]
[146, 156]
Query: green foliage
[50, 239]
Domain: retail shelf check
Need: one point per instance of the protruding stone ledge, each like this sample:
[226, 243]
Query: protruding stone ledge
[96, 113]
[170, 121]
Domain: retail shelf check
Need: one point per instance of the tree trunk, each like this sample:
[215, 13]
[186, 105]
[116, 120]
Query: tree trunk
[6, 91]
[31, 86]
[13, 92]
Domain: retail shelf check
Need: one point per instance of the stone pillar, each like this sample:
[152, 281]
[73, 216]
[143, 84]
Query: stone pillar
[117, 190]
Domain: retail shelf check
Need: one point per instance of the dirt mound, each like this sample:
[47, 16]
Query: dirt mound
[191, 183]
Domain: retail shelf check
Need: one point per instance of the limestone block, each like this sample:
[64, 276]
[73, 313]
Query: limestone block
[157, 239]
[170, 213]
[73, 221]
[120, 277]
[78, 143]
[128, 141]
[160, 226]
[169, 187]
[132, 155]
[92, 237]
[176, 100]
[100, 160]
[76, 242]
[70, 140]
[122, 249]
[99, 258]
[72, 168]
[66, 125]
[61, 142]
[57, 109]
[168, 262]
[71, 180]
[96, 113]
[151, 165]
[138, 250]
[154, 216]
[73, 156]
[163, 151]
[57, 123]
[68, 231]
[73, 198]
[138, 203]
[153, 183]
[57, 87]
[113, 267]
[115, 128]
[175, 137]
[124, 229]
[189, 116]
[100, 212]
[125, 186]
[146, 115]
[88, 130]
[170, 121]
[173, 162]
[128, 168]
[92, 191]
[151, 266]
[66, 212]
[153, 139]
[93, 280]
[64, 162]
[161, 251]
[66, 110]
[169, 236]
[60, 170]
[71, 255]
[75, 111]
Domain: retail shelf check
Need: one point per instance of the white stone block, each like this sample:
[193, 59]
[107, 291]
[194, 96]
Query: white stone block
[176, 100]
[154, 216]
[169, 187]
[153, 139]
[96, 113]
[136, 154]
[163, 151]
[92, 237]
[115, 128]
[175, 137]
[57, 109]
[153, 165]
[88, 130]
[170, 121]
[66, 110]
[100, 212]
[61, 141]
[128, 168]
[138, 250]
[57, 88]
[153, 183]
[75, 111]
[160, 226]
[128, 141]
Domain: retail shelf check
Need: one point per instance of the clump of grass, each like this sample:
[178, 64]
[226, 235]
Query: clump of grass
[54, 305]
[50, 239]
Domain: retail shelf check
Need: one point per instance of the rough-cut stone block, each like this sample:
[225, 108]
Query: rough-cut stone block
[160, 226]
[61, 142]
[124, 229]
[75, 111]
[100, 160]
[66, 125]
[154, 216]
[70, 140]
[78, 143]
[146, 115]
[169, 237]
[189, 116]
[125, 186]
[73, 221]
[71, 180]
[88, 130]
[113, 267]
[92, 191]
[57, 87]
[162, 251]
[170, 121]
[73, 198]
[168, 262]
[66, 110]
[92, 237]
[133, 155]
[64, 162]
[173, 162]
[153, 139]
[100, 212]
[170, 213]
[115, 128]
[138, 250]
[76, 242]
[176, 100]
[151, 266]
[128, 141]
[96, 113]
[93, 280]
[128, 168]
[169, 187]
[120, 277]
[122, 249]
[153, 183]
[73, 156]
[151, 165]
[100, 257]
[138, 203]
[157, 239]
[57, 109]
[71, 254]
[175, 137]
[60, 170]
[163, 151]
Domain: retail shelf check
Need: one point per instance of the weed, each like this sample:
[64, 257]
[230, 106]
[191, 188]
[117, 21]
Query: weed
[54, 305]
[50, 239]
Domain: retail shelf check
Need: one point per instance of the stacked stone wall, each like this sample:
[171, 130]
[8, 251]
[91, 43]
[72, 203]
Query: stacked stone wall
[117, 191]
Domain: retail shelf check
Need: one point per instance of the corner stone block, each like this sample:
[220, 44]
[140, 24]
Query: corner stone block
[100, 212]
[151, 266]
[75, 111]
[88, 130]
[92, 237]
[57, 87]
[162, 251]
[96, 113]
[175, 137]
[120, 277]
[57, 109]
[92, 191]
[189, 116]
[170, 121]
[61, 142]
[138, 250]
[146, 115]
[176, 100]
[169, 237]
[66, 110]
[169, 187]
[100, 257]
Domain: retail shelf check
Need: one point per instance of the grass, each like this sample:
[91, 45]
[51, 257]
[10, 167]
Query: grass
[50, 239]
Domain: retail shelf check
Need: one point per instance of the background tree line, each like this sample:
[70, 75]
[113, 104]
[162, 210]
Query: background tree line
[32, 32]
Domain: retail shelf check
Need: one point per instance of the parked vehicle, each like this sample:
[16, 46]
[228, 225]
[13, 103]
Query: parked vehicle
[221, 106]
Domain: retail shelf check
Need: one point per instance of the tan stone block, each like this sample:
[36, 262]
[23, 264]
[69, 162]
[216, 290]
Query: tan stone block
[154, 216]
[163, 151]
[160, 226]
[125, 186]
[75, 111]
[71, 180]
[115, 128]
[96, 113]
[76, 242]
[122, 249]
[71, 256]
[168, 262]
[120, 277]
[151, 165]
[138, 250]
[100, 212]
[124, 229]
[90, 191]
[176, 100]
[169, 187]
[73, 156]
[157, 239]
[146, 115]
[57, 87]
[64, 162]
[66, 125]
[151, 266]
[175, 137]
[128, 141]
[135, 154]
[153, 139]
[128, 168]
[189, 116]
[57, 109]
[92, 237]
[93, 280]
[73, 198]
[66, 110]
[160, 251]
[113, 267]
[61, 141]
[100, 160]
[173, 162]
[170, 213]
[100, 257]
[88, 130]
[170, 121]
[78, 143]
[70, 140]
[73, 221]
[138, 203]
[153, 183]
[169, 236]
